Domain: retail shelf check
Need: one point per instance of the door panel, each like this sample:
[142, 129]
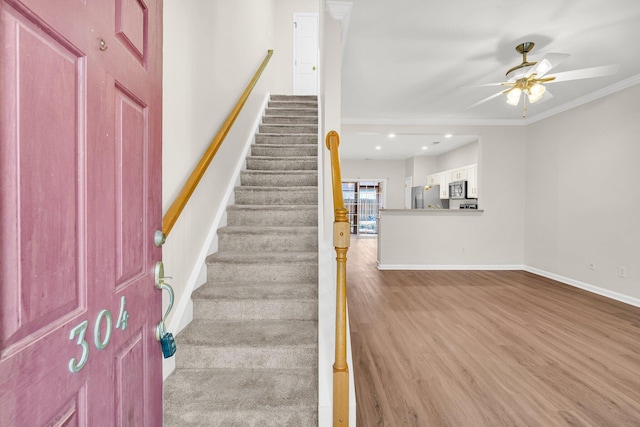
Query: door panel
[305, 67]
[130, 172]
[80, 170]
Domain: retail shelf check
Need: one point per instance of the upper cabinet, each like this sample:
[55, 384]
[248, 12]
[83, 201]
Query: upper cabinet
[472, 181]
[459, 174]
[433, 179]
[445, 179]
[466, 173]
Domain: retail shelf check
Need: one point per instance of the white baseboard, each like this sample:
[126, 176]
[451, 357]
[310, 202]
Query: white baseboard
[585, 286]
[183, 310]
[447, 267]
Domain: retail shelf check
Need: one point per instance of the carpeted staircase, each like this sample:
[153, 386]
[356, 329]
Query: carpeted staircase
[249, 357]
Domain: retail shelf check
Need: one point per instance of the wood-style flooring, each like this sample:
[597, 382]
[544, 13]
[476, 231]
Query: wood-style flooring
[487, 348]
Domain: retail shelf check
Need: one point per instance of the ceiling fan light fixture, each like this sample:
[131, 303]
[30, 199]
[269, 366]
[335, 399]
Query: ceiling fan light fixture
[544, 67]
[513, 96]
[535, 92]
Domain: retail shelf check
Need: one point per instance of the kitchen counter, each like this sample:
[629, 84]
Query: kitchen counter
[431, 211]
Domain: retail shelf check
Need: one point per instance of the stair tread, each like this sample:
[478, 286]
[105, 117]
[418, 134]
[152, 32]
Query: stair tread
[251, 333]
[231, 291]
[313, 208]
[244, 257]
[270, 188]
[202, 390]
[288, 158]
[315, 145]
[271, 229]
[283, 171]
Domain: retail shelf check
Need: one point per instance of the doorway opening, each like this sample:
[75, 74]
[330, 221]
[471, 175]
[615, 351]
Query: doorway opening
[363, 201]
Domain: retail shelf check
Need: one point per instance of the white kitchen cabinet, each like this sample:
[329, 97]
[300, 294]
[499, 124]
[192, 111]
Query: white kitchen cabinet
[445, 178]
[472, 181]
[459, 174]
[433, 179]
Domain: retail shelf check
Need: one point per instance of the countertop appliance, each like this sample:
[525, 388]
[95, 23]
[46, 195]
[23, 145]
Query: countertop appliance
[458, 190]
[427, 197]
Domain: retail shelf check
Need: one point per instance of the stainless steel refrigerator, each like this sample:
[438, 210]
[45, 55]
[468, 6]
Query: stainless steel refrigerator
[427, 197]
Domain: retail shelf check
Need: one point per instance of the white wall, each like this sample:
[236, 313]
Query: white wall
[283, 54]
[461, 156]
[208, 61]
[582, 193]
[497, 236]
[423, 166]
[393, 171]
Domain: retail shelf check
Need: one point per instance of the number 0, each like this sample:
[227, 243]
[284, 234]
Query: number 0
[100, 344]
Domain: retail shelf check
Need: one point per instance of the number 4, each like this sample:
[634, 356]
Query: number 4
[123, 317]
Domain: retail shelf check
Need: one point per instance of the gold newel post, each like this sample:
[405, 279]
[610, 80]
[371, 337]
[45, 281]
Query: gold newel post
[341, 241]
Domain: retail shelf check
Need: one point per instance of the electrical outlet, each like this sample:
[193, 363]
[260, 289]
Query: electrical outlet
[622, 271]
[463, 250]
[592, 265]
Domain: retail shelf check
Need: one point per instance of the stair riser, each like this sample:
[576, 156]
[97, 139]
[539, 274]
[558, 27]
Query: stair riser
[287, 129]
[201, 357]
[286, 139]
[290, 120]
[292, 104]
[255, 310]
[272, 217]
[282, 417]
[278, 180]
[289, 98]
[277, 197]
[292, 112]
[284, 151]
[268, 242]
[278, 164]
[243, 272]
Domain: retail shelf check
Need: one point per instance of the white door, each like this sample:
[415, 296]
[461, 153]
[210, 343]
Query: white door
[305, 54]
[408, 183]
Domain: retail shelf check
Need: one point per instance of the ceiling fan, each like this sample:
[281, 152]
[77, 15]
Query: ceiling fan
[529, 78]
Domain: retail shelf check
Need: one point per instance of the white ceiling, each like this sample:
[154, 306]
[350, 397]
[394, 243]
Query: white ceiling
[408, 62]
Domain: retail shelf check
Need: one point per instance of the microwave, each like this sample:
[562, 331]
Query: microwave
[458, 190]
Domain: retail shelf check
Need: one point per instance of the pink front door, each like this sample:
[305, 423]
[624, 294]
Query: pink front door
[80, 199]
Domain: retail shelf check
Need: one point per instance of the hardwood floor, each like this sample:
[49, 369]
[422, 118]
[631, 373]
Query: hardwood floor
[487, 348]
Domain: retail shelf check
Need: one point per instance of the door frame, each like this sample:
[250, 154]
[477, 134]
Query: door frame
[383, 196]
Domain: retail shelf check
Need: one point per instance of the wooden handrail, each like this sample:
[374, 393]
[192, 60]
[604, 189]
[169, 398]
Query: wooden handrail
[171, 216]
[341, 241]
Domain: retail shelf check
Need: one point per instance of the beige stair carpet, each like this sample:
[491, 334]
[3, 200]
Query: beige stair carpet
[249, 357]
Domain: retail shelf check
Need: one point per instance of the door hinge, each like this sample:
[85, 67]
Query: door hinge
[295, 25]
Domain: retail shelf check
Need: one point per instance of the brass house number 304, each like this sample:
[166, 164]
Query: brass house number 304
[104, 316]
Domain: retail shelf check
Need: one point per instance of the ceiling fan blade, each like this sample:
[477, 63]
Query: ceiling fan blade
[489, 84]
[546, 64]
[546, 97]
[489, 98]
[585, 73]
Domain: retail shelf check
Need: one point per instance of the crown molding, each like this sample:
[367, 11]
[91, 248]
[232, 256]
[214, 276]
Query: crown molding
[601, 93]
[433, 122]
[339, 10]
[621, 85]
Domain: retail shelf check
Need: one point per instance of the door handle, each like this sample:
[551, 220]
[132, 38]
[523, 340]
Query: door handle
[165, 338]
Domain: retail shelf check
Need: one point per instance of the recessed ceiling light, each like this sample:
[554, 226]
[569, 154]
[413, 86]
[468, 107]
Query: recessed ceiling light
[425, 148]
[392, 135]
[378, 148]
[448, 135]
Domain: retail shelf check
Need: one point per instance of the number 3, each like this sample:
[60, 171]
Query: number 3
[80, 330]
